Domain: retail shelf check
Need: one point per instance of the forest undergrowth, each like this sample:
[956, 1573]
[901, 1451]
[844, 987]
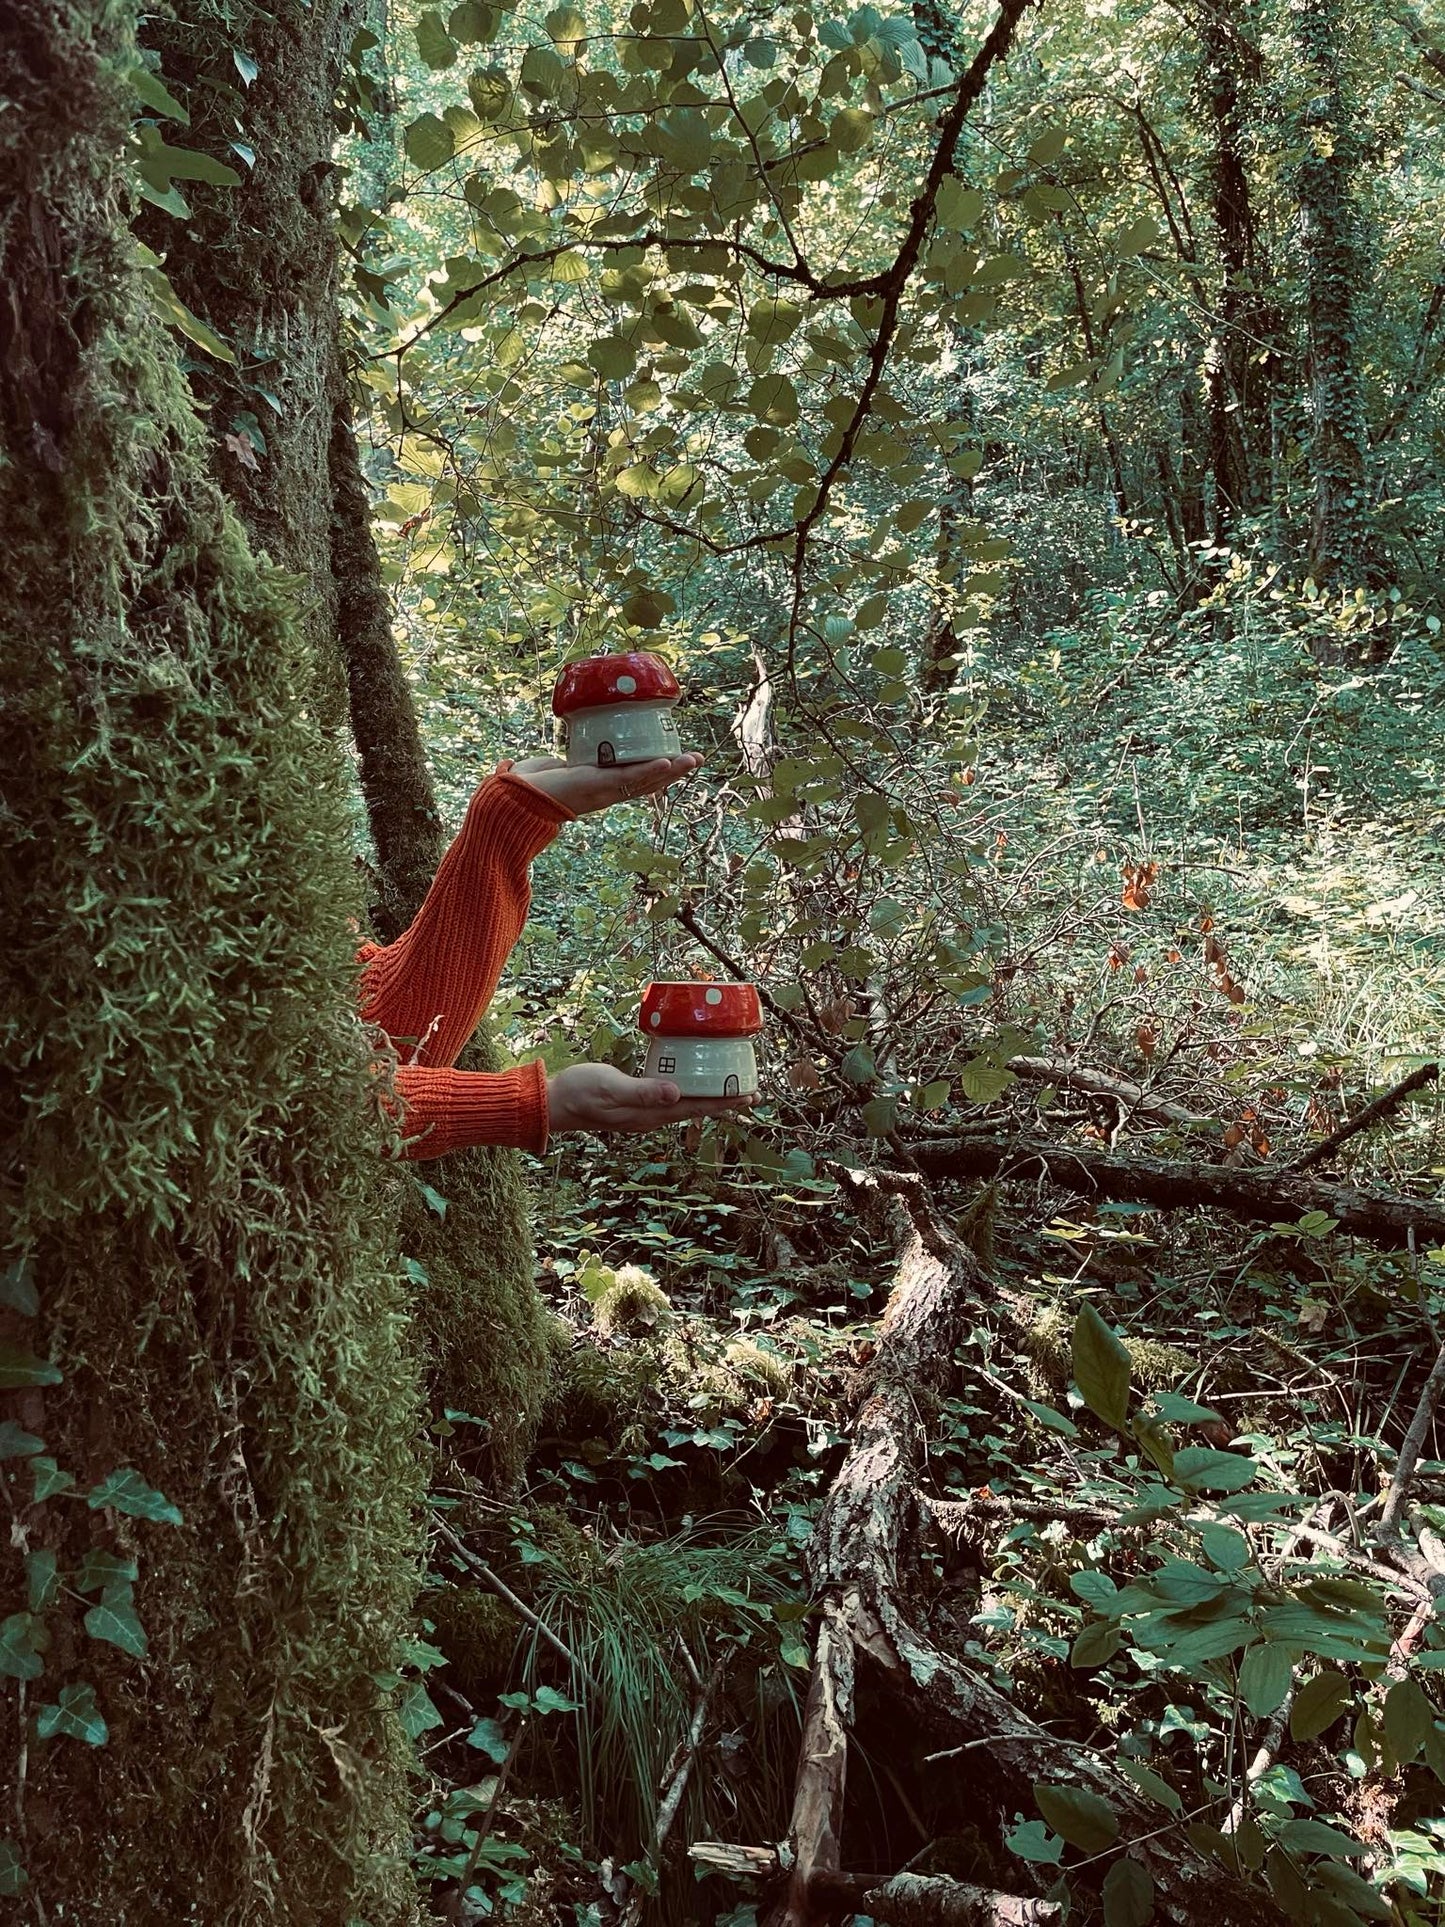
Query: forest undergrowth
[1148, 1502]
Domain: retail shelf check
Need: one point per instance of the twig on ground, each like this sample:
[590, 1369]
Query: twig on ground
[479, 1566]
[1398, 1493]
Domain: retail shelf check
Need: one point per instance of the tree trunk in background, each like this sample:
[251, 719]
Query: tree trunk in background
[400, 800]
[258, 263]
[193, 1210]
[1336, 275]
[1240, 359]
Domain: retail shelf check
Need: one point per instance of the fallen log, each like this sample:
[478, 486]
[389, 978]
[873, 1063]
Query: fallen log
[857, 1562]
[902, 1900]
[1382, 1106]
[1258, 1193]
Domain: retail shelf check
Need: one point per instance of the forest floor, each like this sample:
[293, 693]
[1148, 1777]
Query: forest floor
[1137, 1500]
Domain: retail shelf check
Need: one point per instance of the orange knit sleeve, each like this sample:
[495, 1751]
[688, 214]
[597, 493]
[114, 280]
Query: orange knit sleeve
[447, 1110]
[428, 990]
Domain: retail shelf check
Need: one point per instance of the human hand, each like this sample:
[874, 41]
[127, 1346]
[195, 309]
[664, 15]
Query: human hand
[582, 789]
[595, 1097]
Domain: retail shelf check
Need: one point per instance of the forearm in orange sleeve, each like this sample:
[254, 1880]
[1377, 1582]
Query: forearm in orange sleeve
[448, 1110]
[428, 990]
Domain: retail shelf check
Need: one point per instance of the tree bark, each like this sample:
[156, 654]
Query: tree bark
[1262, 1194]
[200, 1291]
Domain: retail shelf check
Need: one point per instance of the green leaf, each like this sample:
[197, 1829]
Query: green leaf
[547, 1699]
[42, 1578]
[429, 142]
[47, 1479]
[1031, 1840]
[646, 608]
[1139, 235]
[1224, 1547]
[1178, 1410]
[18, 1657]
[17, 1289]
[982, 1080]
[1313, 1836]
[21, 1367]
[1264, 1677]
[1096, 1645]
[16, 1442]
[473, 21]
[434, 43]
[568, 31]
[957, 206]
[1408, 1717]
[1045, 1414]
[161, 164]
[1210, 1470]
[613, 357]
[126, 1491]
[418, 1714]
[13, 1877]
[1152, 1785]
[487, 1737]
[1084, 1819]
[1101, 1369]
[773, 399]
[246, 67]
[1128, 1895]
[75, 1717]
[100, 1570]
[852, 128]
[1318, 1704]
[116, 1623]
[434, 1198]
[180, 316]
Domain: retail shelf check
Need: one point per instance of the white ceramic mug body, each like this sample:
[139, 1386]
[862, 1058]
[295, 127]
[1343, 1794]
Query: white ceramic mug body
[621, 733]
[705, 1066]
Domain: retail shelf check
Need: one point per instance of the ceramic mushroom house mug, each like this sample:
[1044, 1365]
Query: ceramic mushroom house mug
[700, 1035]
[618, 709]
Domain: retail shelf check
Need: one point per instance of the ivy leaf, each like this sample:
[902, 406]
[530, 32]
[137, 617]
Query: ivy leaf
[21, 1367]
[115, 1622]
[434, 43]
[418, 1714]
[17, 1289]
[1128, 1895]
[1031, 1840]
[126, 1491]
[13, 1877]
[1317, 1705]
[487, 1737]
[1084, 1819]
[75, 1717]
[1264, 1677]
[16, 1442]
[100, 1570]
[42, 1578]
[47, 1479]
[18, 1657]
[1101, 1368]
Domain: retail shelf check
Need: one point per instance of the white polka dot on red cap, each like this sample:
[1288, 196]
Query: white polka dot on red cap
[626, 685]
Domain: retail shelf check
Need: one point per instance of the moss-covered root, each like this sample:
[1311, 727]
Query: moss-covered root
[188, 1173]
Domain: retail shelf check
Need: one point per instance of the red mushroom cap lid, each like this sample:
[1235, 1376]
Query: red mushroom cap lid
[632, 676]
[701, 1010]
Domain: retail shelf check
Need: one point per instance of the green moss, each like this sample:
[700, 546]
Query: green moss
[477, 1634]
[631, 1304]
[602, 1393]
[188, 1116]
[1049, 1344]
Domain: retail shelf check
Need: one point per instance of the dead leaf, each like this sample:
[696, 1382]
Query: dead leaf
[242, 449]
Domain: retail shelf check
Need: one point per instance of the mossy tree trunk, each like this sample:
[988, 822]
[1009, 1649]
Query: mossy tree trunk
[200, 1295]
[258, 263]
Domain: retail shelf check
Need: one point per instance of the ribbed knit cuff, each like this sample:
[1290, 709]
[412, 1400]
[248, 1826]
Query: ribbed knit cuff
[450, 1110]
[538, 814]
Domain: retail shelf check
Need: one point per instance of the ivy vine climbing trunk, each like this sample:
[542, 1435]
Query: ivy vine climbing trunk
[207, 1409]
[1333, 237]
